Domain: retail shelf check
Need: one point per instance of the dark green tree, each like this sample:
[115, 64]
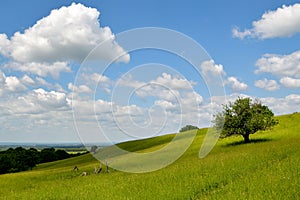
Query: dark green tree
[20, 159]
[32, 157]
[5, 163]
[187, 128]
[244, 117]
[61, 154]
[47, 155]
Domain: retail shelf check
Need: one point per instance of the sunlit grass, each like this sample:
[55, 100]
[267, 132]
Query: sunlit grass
[267, 168]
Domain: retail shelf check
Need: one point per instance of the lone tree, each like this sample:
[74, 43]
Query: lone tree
[244, 117]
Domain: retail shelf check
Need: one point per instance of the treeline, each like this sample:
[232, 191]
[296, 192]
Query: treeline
[21, 159]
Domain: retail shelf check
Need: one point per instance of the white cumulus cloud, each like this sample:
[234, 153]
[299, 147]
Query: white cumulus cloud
[284, 105]
[235, 84]
[38, 101]
[10, 84]
[286, 67]
[282, 22]
[51, 99]
[165, 86]
[270, 85]
[174, 83]
[13, 84]
[290, 82]
[210, 70]
[4, 44]
[79, 89]
[67, 34]
[280, 65]
[41, 69]
[129, 81]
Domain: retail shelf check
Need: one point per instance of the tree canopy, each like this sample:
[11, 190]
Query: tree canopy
[21, 159]
[244, 117]
[187, 128]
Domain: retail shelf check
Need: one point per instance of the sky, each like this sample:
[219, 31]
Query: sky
[109, 71]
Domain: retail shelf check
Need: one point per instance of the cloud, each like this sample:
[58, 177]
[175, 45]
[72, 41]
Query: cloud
[94, 81]
[191, 98]
[41, 69]
[13, 84]
[129, 81]
[285, 105]
[67, 34]
[209, 70]
[174, 83]
[270, 85]
[159, 92]
[36, 110]
[286, 67]
[42, 81]
[50, 100]
[40, 101]
[166, 86]
[235, 84]
[283, 22]
[240, 34]
[97, 78]
[39, 112]
[165, 104]
[79, 89]
[172, 96]
[4, 43]
[10, 84]
[290, 82]
[161, 103]
[27, 80]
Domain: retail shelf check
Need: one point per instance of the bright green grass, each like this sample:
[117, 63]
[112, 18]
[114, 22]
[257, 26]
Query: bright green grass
[266, 169]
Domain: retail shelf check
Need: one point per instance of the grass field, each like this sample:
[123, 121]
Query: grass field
[267, 168]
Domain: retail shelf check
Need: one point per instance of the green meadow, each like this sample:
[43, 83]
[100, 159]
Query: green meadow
[267, 168]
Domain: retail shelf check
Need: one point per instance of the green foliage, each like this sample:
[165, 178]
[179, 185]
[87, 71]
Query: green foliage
[48, 155]
[61, 154]
[5, 163]
[270, 171]
[188, 128]
[20, 159]
[244, 117]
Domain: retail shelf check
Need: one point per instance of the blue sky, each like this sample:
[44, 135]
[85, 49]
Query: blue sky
[252, 47]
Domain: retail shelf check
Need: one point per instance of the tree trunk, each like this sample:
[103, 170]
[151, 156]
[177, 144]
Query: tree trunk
[246, 138]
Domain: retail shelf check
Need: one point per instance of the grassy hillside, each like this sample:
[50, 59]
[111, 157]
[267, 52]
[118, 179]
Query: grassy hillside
[268, 168]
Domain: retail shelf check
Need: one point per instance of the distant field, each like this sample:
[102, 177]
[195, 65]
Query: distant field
[268, 168]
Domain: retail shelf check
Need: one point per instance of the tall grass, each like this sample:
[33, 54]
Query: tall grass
[265, 169]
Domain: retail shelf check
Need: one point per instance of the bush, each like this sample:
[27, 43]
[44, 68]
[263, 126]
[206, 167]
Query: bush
[188, 127]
